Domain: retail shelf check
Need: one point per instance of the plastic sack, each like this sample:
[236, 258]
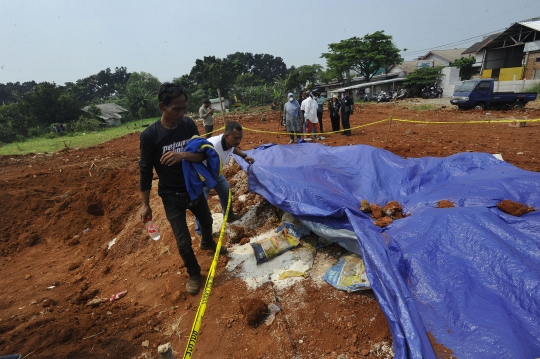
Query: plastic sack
[294, 226]
[273, 246]
[348, 274]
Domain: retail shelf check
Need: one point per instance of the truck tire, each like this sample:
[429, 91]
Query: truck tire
[479, 106]
[516, 105]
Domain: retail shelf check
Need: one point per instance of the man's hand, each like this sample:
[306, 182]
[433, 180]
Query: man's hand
[249, 160]
[146, 212]
[170, 158]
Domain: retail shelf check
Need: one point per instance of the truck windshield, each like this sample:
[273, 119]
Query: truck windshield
[467, 86]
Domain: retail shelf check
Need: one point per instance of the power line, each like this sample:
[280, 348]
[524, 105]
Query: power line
[452, 43]
[476, 23]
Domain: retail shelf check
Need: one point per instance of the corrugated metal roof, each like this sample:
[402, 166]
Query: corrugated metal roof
[108, 110]
[367, 84]
[532, 23]
[480, 44]
[450, 55]
[517, 34]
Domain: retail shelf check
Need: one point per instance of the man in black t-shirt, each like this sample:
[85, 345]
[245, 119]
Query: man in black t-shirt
[347, 110]
[162, 147]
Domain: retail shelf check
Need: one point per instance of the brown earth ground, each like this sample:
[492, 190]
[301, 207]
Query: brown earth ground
[60, 212]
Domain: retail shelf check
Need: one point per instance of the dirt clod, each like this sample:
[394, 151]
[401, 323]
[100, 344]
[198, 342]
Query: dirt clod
[376, 211]
[29, 239]
[364, 206]
[383, 222]
[254, 310]
[514, 208]
[445, 204]
[393, 210]
[235, 233]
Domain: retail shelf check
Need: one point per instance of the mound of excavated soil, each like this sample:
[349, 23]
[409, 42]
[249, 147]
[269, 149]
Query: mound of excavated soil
[71, 235]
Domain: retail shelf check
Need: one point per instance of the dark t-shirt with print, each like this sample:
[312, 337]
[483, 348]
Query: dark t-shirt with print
[154, 142]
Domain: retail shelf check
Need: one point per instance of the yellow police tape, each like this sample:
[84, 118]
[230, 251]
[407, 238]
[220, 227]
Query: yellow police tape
[216, 130]
[399, 120]
[207, 288]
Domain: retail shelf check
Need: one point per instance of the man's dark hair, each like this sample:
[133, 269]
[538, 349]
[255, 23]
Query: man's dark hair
[168, 91]
[207, 101]
[231, 126]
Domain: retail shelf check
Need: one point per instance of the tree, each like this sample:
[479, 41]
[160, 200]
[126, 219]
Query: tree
[100, 87]
[309, 73]
[365, 55]
[213, 73]
[244, 61]
[140, 95]
[421, 77]
[465, 66]
[247, 79]
[267, 67]
[12, 123]
[264, 67]
[94, 111]
[40, 105]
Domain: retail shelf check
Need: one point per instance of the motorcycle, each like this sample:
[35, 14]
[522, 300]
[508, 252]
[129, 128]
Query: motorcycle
[384, 97]
[425, 92]
[402, 93]
[431, 92]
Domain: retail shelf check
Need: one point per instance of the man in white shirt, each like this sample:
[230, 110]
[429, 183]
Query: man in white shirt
[309, 109]
[226, 144]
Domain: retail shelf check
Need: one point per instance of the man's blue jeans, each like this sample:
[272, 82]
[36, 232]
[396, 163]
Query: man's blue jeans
[222, 189]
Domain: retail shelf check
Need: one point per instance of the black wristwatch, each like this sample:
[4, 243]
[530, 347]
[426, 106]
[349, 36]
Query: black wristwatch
[244, 156]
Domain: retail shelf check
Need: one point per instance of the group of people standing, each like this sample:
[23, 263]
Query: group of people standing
[303, 118]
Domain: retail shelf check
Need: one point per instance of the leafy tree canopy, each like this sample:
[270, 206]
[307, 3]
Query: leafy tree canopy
[46, 104]
[140, 95]
[423, 76]
[365, 55]
[101, 86]
[12, 92]
[465, 66]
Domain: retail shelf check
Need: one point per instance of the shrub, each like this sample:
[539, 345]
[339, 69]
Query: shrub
[535, 88]
[36, 131]
[424, 107]
[84, 124]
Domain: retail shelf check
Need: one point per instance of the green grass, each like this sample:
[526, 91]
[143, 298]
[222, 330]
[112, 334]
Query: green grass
[73, 140]
[424, 107]
[535, 88]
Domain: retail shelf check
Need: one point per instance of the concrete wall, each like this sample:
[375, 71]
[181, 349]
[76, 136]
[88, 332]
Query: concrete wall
[515, 86]
[450, 80]
[113, 122]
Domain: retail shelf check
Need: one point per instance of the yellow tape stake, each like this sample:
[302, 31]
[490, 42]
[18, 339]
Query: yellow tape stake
[207, 288]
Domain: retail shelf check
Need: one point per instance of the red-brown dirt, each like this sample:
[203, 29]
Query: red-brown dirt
[60, 213]
[514, 208]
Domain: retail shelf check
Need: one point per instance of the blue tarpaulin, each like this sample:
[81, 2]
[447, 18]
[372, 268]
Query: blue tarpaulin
[467, 277]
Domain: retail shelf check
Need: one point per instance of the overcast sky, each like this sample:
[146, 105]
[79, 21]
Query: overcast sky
[66, 40]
